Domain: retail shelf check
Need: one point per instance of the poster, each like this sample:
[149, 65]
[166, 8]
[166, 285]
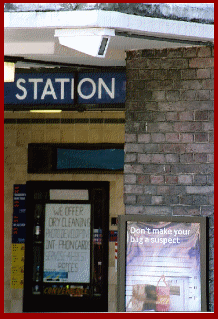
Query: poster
[67, 243]
[18, 236]
[19, 214]
[17, 266]
[163, 267]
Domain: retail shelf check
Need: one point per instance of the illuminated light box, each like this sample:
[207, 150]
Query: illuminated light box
[161, 264]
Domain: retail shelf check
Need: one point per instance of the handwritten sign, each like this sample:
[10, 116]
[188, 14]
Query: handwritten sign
[67, 243]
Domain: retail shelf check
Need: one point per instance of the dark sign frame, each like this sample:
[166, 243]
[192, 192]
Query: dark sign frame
[77, 104]
[42, 157]
[122, 252]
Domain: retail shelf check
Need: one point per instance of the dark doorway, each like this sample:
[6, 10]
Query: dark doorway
[66, 250]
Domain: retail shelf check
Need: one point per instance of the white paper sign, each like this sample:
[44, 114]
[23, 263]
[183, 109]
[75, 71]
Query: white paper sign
[67, 243]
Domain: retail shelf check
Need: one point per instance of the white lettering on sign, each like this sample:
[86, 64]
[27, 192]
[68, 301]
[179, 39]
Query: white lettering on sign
[49, 88]
[35, 81]
[20, 87]
[101, 84]
[62, 81]
[47, 92]
[86, 97]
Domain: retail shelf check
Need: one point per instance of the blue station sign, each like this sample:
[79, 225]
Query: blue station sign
[65, 90]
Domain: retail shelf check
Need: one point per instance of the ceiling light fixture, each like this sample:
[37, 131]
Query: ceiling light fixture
[45, 111]
[9, 71]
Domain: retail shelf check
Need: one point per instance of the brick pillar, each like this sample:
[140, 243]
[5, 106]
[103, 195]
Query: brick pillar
[169, 135]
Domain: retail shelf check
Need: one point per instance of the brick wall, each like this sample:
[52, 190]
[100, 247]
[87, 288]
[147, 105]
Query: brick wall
[169, 135]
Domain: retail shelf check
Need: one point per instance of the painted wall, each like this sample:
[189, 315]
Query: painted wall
[102, 127]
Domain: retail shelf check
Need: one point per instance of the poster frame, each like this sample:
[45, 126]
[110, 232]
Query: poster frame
[122, 239]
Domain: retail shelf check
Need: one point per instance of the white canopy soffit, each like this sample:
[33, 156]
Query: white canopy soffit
[94, 37]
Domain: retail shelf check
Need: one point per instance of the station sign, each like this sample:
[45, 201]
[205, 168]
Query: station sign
[65, 90]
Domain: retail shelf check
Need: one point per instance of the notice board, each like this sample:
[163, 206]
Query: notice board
[18, 236]
[162, 264]
[67, 243]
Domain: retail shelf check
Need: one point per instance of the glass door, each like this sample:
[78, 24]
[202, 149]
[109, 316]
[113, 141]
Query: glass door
[66, 259]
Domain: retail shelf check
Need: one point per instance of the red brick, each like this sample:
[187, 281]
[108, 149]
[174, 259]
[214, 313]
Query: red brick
[175, 52]
[137, 169]
[210, 158]
[144, 74]
[187, 127]
[154, 63]
[172, 116]
[158, 137]
[136, 63]
[174, 74]
[208, 84]
[160, 75]
[172, 158]
[133, 189]
[201, 63]
[208, 126]
[172, 137]
[201, 137]
[200, 148]
[186, 137]
[158, 95]
[190, 85]
[186, 116]
[144, 179]
[144, 158]
[203, 73]
[171, 179]
[172, 148]
[201, 115]
[190, 52]
[185, 179]
[174, 63]
[203, 95]
[186, 210]
[188, 95]
[188, 74]
[212, 95]
[158, 158]
[173, 95]
[212, 73]
[211, 137]
[204, 51]
[187, 158]
[144, 138]
[200, 158]
[157, 179]
[130, 138]
[156, 200]
[162, 190]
